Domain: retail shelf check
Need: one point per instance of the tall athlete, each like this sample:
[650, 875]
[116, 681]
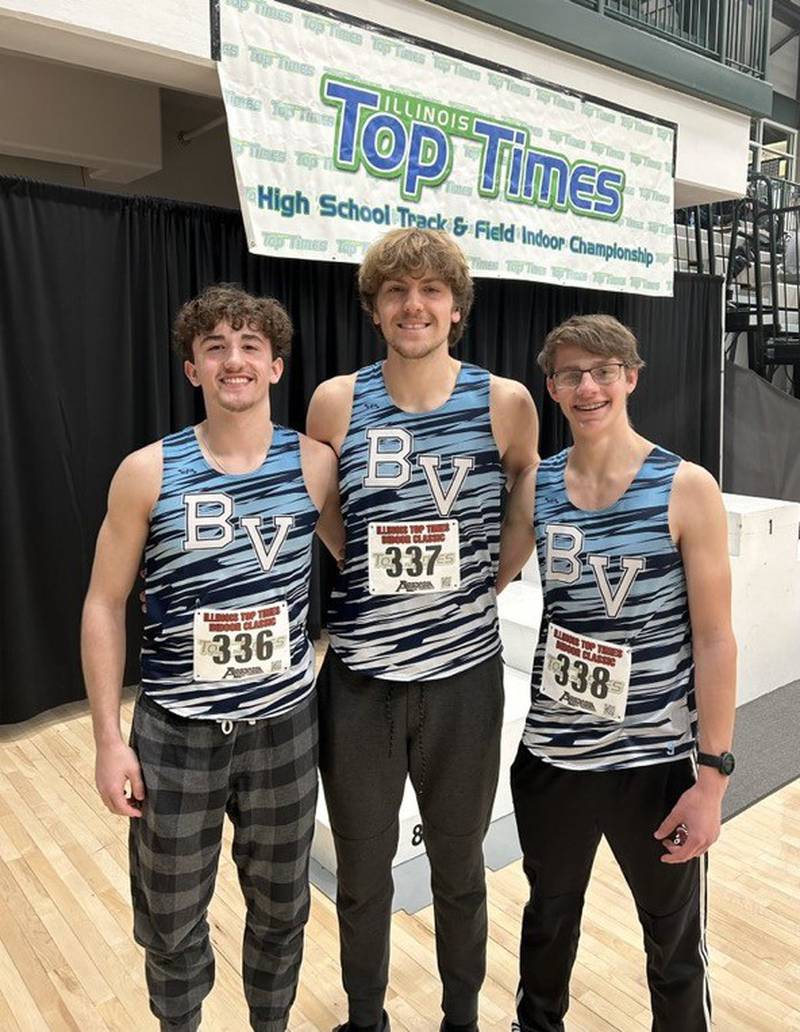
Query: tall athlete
[226, 720]
[630, 726]
[412, 683]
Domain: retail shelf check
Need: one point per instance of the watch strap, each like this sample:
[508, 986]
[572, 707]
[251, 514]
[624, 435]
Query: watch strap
[724, 762]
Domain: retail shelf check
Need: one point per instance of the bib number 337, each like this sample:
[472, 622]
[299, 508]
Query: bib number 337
[413, 558]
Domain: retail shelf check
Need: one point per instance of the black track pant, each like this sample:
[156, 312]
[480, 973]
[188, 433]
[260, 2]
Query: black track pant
[445, 735]
[561, 816]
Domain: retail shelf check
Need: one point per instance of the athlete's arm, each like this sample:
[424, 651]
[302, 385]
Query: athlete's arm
[515, 426]
[699, 527]
[321, 475]
[329, 410]
[118, 556]
[517, 535]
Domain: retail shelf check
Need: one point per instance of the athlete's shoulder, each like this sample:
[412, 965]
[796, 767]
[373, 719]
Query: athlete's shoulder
[316, 453]
[320, 469]
[330, 408]
[335, 389]
[137, 481]
[143, 461]
[515, 423]
[506, 389]
[695, 483]
[511, 400]
[696, 502]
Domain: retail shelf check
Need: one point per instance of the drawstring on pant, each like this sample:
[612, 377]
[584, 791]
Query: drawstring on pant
[226, 726]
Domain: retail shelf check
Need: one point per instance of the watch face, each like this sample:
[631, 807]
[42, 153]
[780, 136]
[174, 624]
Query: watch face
[727, 763]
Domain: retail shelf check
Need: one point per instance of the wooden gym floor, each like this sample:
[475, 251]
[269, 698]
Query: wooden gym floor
[68, 962]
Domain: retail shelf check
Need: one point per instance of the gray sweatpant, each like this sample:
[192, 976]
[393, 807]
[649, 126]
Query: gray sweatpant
[445, 735]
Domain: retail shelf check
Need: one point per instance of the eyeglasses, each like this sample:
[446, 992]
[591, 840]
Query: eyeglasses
[569, 379]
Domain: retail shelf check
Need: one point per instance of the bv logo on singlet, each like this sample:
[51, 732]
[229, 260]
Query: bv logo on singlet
[388, 465]
[562, 563]
[212, 530]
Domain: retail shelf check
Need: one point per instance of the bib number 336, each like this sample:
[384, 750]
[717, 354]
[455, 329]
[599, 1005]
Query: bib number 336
[243, 644]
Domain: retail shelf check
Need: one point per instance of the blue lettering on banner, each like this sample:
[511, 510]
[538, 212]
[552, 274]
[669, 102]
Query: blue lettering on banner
[287, 205]
[400, 136]
[330, 207]
[420, 155]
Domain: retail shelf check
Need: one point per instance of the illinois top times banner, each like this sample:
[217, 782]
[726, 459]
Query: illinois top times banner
[341, 131]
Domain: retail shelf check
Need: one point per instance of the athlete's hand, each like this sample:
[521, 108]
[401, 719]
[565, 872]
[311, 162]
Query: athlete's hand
[698, 809]
[116, 766]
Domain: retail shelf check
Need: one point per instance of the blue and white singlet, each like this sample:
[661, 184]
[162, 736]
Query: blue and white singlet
[419, 468]
[227, 542]
[615, 575]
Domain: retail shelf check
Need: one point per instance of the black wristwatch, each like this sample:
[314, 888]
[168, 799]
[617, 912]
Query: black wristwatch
[724, 763]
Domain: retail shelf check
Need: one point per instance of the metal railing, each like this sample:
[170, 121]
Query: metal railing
[754, 243]
[733, 32]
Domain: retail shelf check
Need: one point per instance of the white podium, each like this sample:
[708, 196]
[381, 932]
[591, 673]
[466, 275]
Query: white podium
[764, 548]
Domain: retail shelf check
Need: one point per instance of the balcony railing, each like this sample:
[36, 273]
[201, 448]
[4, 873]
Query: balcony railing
[733, 32]
[754, 242]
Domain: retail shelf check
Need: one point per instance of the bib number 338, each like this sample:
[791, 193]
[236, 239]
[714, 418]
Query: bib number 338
[585, 674]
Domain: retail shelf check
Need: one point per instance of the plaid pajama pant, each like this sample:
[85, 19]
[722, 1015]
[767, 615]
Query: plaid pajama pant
[264, 776]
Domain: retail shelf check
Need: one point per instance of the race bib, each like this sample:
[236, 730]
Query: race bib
[414, 558]
[585, 674]
[241, 644]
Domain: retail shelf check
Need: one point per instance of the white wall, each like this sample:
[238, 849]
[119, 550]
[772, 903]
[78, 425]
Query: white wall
[167, 42]
[162, 41]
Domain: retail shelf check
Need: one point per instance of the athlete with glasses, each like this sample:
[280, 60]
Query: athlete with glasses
[633, 683]
[569, 379]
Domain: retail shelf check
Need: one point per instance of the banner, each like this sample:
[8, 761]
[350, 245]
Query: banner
[341, 131]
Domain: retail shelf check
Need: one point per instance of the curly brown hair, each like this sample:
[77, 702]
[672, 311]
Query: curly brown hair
[415, 252]
[227, 302]
[601, 335]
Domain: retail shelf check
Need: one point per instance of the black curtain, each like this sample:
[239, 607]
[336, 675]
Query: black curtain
[90, 284]
[762, 456]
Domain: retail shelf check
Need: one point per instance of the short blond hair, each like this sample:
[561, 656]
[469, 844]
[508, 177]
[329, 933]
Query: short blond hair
[413, 252]
[601, 335]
